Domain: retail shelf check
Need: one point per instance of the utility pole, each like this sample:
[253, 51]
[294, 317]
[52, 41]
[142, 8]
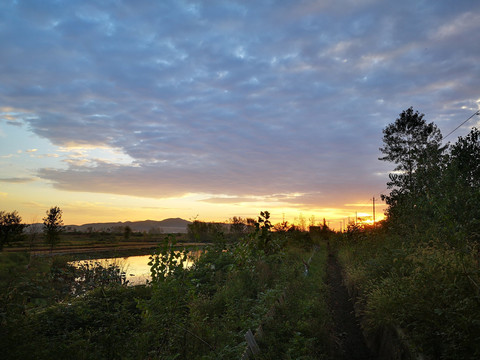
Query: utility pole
[374, 212]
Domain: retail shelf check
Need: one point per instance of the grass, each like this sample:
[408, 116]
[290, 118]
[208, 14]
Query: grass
[427, 289]
[299, 328]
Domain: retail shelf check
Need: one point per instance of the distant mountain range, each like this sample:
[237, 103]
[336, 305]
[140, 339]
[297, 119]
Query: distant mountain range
[171, 225]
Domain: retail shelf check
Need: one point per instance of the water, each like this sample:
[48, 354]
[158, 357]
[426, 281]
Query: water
[136, 268]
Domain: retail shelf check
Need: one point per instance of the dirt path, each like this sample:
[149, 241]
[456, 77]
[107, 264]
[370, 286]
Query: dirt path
[347, 329]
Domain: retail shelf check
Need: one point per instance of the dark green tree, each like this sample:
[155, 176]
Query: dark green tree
[11, 228]
[238, 227]
[53, 226]
[460, 183]
[201, 231]
[465, 158]
[127, 231]
[415, 146]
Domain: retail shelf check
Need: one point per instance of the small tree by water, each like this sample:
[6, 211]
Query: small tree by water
[52, 226]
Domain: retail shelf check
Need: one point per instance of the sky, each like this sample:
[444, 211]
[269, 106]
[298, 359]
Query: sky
[132, 110]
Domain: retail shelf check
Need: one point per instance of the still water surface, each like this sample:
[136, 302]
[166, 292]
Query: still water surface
[136, 268]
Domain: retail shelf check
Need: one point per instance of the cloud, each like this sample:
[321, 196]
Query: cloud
[275, 198]
[34, 204]
[233, 98]
[17, 180]
[41, 156]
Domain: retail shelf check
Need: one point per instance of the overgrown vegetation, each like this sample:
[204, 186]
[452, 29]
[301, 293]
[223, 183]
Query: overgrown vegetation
[418, 273]
[186, 312]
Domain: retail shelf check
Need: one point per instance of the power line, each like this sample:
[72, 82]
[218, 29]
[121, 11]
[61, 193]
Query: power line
[451, 132]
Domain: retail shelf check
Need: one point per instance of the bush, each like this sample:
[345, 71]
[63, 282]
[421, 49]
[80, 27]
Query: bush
[429, 290]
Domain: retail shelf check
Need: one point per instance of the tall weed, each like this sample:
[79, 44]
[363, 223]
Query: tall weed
[428, 289]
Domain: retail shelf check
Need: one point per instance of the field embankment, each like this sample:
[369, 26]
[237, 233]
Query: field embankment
[107, 245]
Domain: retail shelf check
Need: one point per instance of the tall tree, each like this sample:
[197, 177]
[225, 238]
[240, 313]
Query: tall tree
[52, 226]
[11, 228]
[415, 146]
[461, 187]
[465, 158]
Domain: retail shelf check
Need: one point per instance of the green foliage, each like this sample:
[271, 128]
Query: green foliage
[200, 231]
[89, 275]
[428, 289]
[30, 282]
[297, 238]
[298, 329]
[127, 231]
[441, 320]
[204, 311]
[200, 311]
[167, 262]
[63, 310]
[11, 228]
[52, 226]
[263, 238]
[412, 144]
[420, 271]
[101, 325]
[240, 227]
[25, 283]
[435, 189]
[321, 234]
[458, 200]
[415, 147]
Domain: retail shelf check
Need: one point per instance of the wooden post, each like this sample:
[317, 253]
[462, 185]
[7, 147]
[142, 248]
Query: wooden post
[252, 343]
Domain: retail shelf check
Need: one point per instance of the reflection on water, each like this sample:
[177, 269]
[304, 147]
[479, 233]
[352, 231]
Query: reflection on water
[136, 268]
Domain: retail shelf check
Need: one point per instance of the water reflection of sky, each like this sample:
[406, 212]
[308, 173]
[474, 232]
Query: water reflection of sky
[136, 268]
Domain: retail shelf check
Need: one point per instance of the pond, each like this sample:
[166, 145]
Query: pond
[136, 268]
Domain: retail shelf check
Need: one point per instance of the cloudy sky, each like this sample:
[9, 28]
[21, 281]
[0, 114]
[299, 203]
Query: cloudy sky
[127, 110]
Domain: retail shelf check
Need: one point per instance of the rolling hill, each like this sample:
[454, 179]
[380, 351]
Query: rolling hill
[171, 225]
